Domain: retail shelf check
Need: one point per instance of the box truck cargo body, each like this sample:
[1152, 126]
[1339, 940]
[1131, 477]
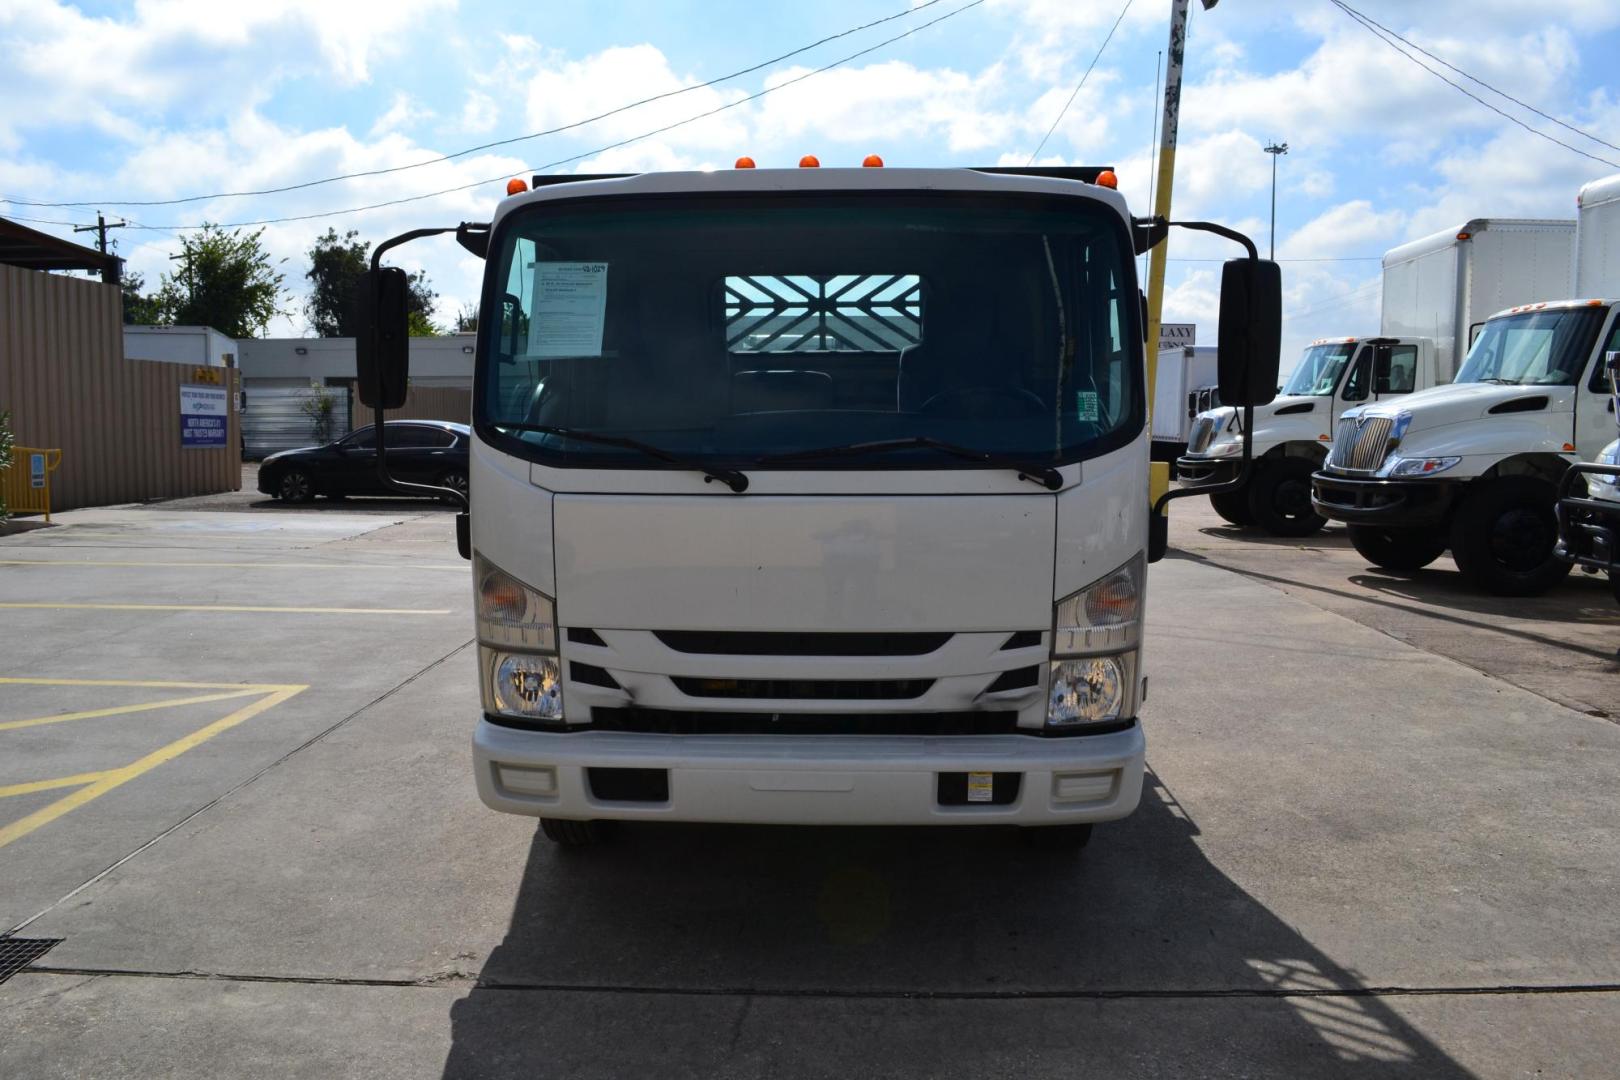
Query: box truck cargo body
[1597, 239]
[1184, 388]
[1446, 285]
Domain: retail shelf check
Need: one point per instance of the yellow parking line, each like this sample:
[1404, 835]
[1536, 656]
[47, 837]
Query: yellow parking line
[224, 607]
[114, 778]
[24, 680]
[119, 710]
[46, 785]
[236, 565]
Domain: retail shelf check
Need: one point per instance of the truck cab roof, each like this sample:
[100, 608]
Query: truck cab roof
[1069, 182]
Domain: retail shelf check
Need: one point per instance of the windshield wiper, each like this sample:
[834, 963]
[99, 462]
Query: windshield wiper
[733, 479]
[1044, 475]
[1499, 381]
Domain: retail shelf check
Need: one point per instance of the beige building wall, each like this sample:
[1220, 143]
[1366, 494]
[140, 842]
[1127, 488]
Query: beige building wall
[64, 379]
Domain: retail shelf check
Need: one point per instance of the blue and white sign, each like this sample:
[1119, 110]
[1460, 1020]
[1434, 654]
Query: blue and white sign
[36, 470]
[204, 415]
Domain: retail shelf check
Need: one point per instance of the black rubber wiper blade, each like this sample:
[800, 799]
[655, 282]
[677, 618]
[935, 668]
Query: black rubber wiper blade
[732, 478]
[1044, 475]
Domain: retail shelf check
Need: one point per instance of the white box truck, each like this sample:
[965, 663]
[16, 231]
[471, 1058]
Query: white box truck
[1437, 291]
[813, 496]
[1184, 387]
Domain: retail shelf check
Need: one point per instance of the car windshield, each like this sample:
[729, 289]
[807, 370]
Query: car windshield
[730, 331]
[1319, 369]
[1534, 348]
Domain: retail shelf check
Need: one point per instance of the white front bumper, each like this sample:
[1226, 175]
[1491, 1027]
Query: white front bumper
[821, 779]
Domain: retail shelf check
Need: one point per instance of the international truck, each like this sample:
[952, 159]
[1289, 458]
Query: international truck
[813, 496]
[1182, 388]
[1589, 504]
[1436, 293]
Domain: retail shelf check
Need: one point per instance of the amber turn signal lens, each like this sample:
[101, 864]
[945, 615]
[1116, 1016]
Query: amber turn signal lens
[872, 161]
[809, 161]
[744, 162]
[515, 186]
[1107, 179]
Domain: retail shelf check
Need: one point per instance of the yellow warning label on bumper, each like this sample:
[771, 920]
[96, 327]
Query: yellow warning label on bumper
[981, 786]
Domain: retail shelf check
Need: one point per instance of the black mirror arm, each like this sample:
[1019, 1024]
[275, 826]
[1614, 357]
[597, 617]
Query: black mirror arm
[405, 487]
[1149, 231]
[1159, 527]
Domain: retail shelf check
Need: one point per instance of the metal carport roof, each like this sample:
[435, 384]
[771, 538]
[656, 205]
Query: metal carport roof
[34, 250]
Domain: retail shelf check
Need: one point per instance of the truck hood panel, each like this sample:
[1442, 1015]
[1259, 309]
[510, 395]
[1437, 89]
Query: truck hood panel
[1457, 403]
[805, 562]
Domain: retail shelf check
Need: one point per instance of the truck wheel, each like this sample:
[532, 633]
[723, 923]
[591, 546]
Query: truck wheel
[1397, 549]
[1280, 498]
[1057, 837]
[1233, 506]
[575, 833]
[295, 487]
[1503, 536]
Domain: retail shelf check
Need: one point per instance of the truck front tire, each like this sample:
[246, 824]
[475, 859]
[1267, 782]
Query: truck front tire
[1233, 506]
[1503, 536]
[1280, 498]
[575, 833]
[1397, 549]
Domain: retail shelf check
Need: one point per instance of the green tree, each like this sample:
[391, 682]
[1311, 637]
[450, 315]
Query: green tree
[335, 265]
[226, 280]
[466, 319]
[140, 308]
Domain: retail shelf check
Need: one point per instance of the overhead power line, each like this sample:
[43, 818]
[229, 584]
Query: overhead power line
[582, 155]
[1364, 18]
[1372, 28]
[571, 125]
[1077, 87]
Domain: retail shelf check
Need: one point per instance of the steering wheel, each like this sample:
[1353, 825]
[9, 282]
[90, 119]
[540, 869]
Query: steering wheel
[982, 402]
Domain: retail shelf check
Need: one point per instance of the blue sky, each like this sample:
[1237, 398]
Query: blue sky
[172, 98]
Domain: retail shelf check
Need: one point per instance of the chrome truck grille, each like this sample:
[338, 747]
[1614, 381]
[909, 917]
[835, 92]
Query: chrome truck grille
[1202, 434]
[1361, 444]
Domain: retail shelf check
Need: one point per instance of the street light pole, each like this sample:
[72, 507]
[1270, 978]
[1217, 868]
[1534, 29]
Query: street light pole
[1276, 150]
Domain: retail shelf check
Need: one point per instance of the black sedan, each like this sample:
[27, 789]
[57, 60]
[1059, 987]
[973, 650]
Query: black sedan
[419, 451]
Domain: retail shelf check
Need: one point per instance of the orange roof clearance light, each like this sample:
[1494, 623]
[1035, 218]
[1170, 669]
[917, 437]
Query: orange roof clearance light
[1107, 179]
[1465, 236]
[871, 161]
[516, 186]
[809, 161]
[744, 162]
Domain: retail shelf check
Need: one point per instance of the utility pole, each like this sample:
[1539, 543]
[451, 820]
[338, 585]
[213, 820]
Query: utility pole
[1159, 471]
[100, 229]
[1276, 150]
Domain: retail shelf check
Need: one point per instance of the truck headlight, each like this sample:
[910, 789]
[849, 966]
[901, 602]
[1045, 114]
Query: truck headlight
[1095, 634]
[1427, 466]
[517, 646]
[1226, 449]
[1609, 456]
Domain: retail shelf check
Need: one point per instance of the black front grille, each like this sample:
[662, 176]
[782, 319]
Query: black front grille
[676, 722]
[1016, 679]
[17, 953]
[592, 675]
[804, 689]
[795, 643]
[1024, 639]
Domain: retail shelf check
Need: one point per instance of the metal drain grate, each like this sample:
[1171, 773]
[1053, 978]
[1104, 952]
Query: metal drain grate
[17, 953]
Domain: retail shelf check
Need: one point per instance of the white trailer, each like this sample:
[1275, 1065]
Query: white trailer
[1445, 286]
[1184, 388]
[1597, 238]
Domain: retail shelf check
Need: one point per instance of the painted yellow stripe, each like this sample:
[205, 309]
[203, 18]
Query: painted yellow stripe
[23, 680]
[48, 785]
[114, 778]
[40, 606]
[119, 710]
[239, 565]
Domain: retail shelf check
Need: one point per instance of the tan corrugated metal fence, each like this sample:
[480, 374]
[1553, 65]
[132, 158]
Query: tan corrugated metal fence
[426, 403]
[64, 379]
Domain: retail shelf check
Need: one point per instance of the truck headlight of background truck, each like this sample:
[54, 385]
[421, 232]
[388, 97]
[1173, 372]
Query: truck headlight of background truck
[1095, 638]
[517, 647]
[1416, 466]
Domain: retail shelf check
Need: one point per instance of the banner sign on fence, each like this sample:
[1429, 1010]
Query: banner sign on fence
[204, 415]
[36, 470]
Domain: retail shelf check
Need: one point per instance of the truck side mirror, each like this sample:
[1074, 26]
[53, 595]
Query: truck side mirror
[382, 337]
[1251, 331]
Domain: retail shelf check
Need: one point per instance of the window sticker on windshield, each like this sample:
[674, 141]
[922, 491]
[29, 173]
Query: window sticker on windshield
[1086, 406]
[570, 301]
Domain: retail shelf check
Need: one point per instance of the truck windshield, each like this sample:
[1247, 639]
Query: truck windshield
[1319, 369]
[770, 327]
[1534, 348]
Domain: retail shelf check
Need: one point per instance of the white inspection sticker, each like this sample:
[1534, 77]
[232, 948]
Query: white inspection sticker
[570, 303]
[981, 786]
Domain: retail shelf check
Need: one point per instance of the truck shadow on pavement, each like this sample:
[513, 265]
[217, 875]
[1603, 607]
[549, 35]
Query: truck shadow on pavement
[704, 951]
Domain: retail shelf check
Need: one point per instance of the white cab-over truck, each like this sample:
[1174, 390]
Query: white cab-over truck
[812, 496]
[1436, 293]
